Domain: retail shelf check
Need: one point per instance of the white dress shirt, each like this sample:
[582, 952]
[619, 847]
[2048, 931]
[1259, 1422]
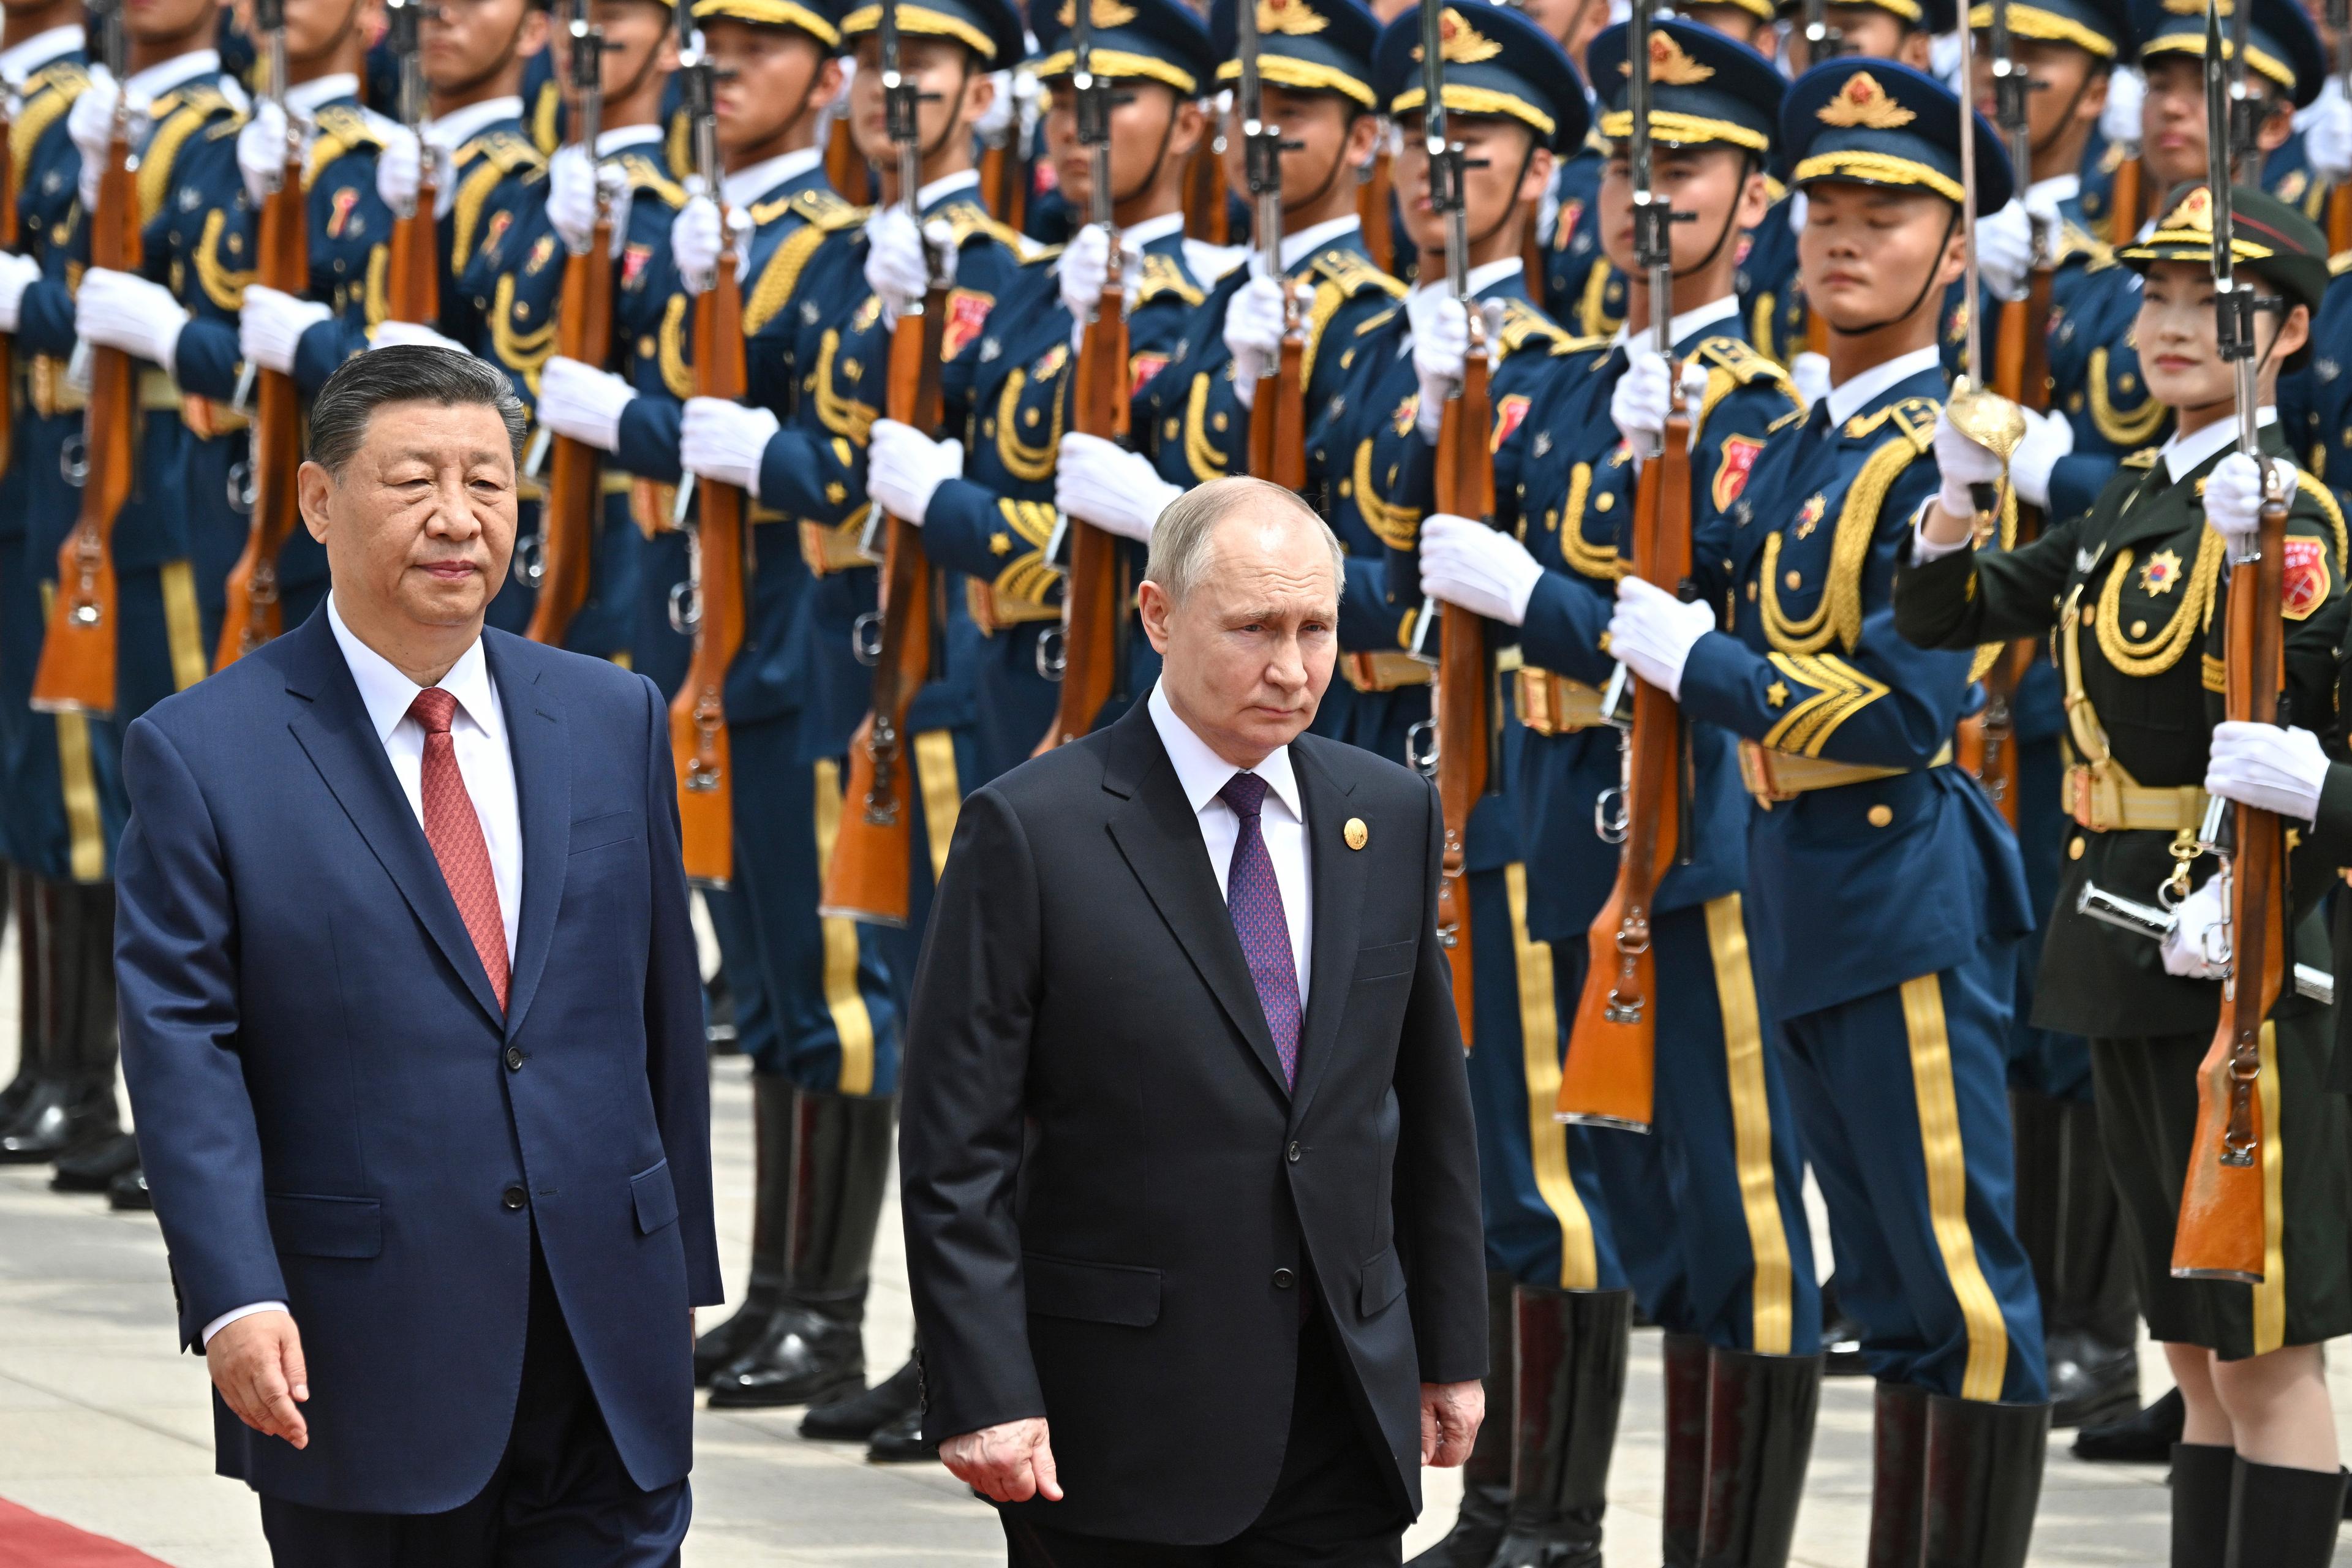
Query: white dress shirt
[1684, 324]
[18, 64]
[1282, 820]
[479, 730]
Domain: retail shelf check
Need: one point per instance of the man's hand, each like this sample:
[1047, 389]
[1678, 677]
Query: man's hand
[1450, 1414]
[1015, 1461]
[256, 1364]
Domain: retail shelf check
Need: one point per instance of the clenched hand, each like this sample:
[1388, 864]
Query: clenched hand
[1013, 1461]
[1450, 1414]
[256, 1364]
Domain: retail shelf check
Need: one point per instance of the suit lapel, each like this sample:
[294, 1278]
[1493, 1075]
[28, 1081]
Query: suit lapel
[1338, 875]
[540, 745]
[1160, 836]
[333, 729]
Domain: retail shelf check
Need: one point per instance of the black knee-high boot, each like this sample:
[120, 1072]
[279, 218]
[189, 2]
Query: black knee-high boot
[1684, 1511]
[1760, 1412]
[73, 1103]
[2281, 1518]
[771, 1206]
[1487, 1474]
[1984, 1481]
[1898, 1476]
[2203, 1475]
[1571, 1348]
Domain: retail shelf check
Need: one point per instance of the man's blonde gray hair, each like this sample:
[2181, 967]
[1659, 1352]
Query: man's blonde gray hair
[1182, 538]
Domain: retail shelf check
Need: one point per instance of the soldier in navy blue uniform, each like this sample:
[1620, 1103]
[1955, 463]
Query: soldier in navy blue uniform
[984, 496]
[1886, 893]
[1705, 1210]
[2136, 596]
[51, 831]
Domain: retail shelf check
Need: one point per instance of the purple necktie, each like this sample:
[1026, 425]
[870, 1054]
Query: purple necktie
[1255, 900]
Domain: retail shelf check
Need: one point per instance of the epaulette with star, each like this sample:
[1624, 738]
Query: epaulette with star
[1163, 279]
[344, 128]
[1915, 417]
[1353, 275]
[1741, 359]
[969, 221]
[2146, 457]
[1581, 343]
[1523, 324]
[506, 149]
[816, 205]
[645, 175]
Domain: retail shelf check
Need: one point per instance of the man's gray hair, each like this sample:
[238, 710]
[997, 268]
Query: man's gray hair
[1182, 538]
[406, 372]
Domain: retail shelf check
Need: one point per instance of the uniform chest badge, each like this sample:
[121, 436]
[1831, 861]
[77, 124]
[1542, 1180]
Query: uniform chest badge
[1508, 416]
[634, 262]
[2161, 573]
[1747, 244]
[345, 200]
[1050, 362]
[811, 312]
[1142, 368]
[989, 349]
[1731, 474]
[1541, 444]
[2325, 369]
[2303, 578]
[1565, 226]
[1809, 516]
[1406, 412]
[540, 255]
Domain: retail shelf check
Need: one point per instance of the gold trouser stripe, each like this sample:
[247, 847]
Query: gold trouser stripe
[1948, 1187]
[77, 784]
[935, 772]
[852, 1024]
[1770, 1289]
[183, 629]
[1579, 1268]
[2270, 1296]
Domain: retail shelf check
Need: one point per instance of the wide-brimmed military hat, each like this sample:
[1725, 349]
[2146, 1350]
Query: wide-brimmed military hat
[1307, 46]
[1498, 61]
[2100, 29]
[1704, 87]
[2268, 238]
[1873, 123]
[818, 18]
[1924, 15]
[2282, 47]
[1159, 40]
[991, 29]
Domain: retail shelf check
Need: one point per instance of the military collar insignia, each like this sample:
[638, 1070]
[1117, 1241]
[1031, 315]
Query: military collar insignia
[2086, 557]
[1864, 102]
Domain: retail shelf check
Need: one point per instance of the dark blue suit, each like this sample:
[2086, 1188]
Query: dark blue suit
[334, 1113]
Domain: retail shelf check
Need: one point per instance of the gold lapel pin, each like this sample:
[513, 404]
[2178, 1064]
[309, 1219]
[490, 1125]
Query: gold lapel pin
[1356, 832]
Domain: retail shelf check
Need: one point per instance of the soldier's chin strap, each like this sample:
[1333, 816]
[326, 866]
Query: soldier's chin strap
[1511, 208]
[1158, 159]
[1905, 314]
[1338, 162]
[1731, 217]
[506, 57]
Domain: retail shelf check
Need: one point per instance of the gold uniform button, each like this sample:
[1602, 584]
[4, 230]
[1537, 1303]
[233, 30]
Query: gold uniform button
[1356, 832]
[2090, 616]
[1604, 501]
[2139, 628]
[2074, 849]
[1880, 816]
[1794, 580]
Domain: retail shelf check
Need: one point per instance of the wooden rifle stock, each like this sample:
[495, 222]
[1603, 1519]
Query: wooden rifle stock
[1372, 208]
[254, 614]
[1277, 444]
[1002, 183]
[1095, 591]
[2222, 1229]
[568, 522]
[2339, 219]
[1531, 253]
[413, 289]
[1817, 331]
[2124, 202]
[1208, 214]
[1611, 1071]
[844, 166]
[1461, 699]
[698, 714]
[78, 655]
[8, 241]
[872, 853]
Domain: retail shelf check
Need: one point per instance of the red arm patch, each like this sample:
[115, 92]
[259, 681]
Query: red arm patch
[1142, 368]
[1731, 476]
[1507, 415]
[2303, 578]
[967, 314]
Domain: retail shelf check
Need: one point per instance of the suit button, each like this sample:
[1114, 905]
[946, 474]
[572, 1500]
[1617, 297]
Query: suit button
[1284, 1279]
[514, 1058]
[514, 1197]
[1292, 1154]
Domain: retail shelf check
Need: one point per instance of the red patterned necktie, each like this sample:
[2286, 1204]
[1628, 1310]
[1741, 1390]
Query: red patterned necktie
[456, 834]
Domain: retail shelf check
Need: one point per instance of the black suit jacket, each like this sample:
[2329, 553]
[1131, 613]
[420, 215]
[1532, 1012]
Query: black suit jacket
[1111, 1201]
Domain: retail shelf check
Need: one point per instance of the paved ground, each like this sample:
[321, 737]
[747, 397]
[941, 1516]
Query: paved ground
[102, 1424]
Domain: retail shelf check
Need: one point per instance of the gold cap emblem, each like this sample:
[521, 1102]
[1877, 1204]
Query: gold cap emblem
[1356, 832]
[1669, 66]
[1461, 43]
[2195, 212]
[1864, 102]
[1294, 17]
[1101, 13]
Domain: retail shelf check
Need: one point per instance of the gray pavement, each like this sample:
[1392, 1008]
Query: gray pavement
[104, 1424]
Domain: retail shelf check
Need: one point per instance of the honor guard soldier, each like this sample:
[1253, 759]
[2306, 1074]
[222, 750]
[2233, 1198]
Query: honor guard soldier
[819, 372]
[1705, 1210]
[1890, 1003]
[56, 845]
[986, 502]
[2135, 595]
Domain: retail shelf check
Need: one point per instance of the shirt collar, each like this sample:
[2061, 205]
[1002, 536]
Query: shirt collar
[2055, 189]
[459, 126]
[2184, 455]
[1152, 228]
[1203, 772]
[939, 190]
[388, 693]
[158, 80]
[611, 142]
[1296, 247]
[18, 64]
[1850, 396]
[745, 186]
[304, 99]
[1723, 310]
[1479, 278]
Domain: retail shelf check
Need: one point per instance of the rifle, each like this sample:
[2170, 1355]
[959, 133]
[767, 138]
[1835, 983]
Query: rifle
[1278, 441]
[2340, 200]
[584, 330]
[1374, 181]
[874, 850]
[9, 240]
[1460, 730]
[2124, 202]
[75, 674]
[1004, 173]
[1825, 42]
[845, 169]
[2222, 1223]
[253, 614]
[1207, 214]
[714, 587]
[1095, 590]
[1531, 251]
[1609, 1074]
[413, 286]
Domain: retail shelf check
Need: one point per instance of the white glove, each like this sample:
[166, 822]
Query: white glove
[1962, 463]
[1103, 483]
[2120, 122]
[896, 267]
[90, 121]
[1809, 372]
[2196, 934]
[572, 186]
[123, 310]
[997, 118]
[261, 150]
[1481, 569]
[2048, 438]
[724, 441]
[1653, 633]
[1798, 208]
[17, 273]
[2233, 499]
[2005, 249]
[1441, 339]
[2264, 766]
[1253, 334]
[1086, 268]
[2327, 132]
[583, 403]
[399, 170]
[694, 241]
[905, 467]
[394, 334]
[272, 323]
